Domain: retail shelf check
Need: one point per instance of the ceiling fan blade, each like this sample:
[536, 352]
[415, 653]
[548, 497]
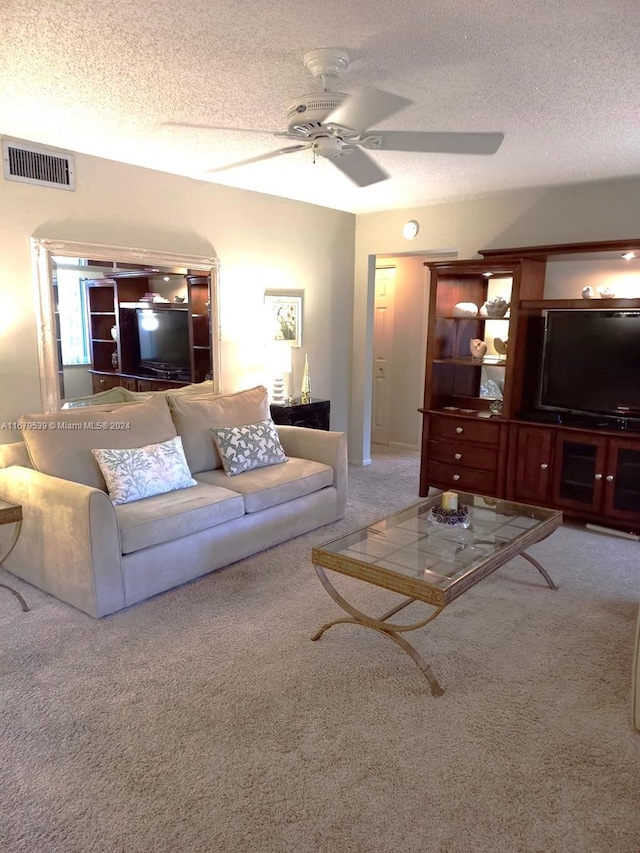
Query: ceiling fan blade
[359, 167]
[436, 143]
[289, 150]
[366, 107]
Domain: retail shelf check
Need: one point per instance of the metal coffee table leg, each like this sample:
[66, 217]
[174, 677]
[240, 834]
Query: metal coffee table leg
[379, 624]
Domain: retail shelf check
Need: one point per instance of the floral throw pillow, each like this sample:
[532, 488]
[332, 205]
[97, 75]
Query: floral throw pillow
[142, 472]
[243, 448]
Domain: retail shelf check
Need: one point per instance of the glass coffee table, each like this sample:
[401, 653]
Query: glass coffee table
[415, 553]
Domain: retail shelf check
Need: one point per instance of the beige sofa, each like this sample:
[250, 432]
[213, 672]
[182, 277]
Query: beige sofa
[100, 557]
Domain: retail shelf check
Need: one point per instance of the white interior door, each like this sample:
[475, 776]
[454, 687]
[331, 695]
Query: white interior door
[382, 354]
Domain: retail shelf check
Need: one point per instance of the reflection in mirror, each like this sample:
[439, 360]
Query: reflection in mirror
[89, 299]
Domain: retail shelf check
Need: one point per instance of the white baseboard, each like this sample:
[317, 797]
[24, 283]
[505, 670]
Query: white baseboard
[398, 445]
[598, 529]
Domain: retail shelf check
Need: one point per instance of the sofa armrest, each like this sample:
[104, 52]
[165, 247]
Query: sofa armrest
[69, 544]
[329, 447]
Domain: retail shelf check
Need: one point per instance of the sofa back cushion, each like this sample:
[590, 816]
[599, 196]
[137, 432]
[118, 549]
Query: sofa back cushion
[195, 416]
[60, 444]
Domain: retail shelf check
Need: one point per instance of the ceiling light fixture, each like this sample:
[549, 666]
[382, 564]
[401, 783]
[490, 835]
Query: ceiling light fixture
[487, 274]
[410, 229]
[628, 256]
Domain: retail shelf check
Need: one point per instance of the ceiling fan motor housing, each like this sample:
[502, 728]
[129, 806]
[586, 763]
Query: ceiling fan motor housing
[306, 114]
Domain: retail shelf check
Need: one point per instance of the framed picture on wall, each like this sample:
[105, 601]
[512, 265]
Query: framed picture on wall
[283, 312]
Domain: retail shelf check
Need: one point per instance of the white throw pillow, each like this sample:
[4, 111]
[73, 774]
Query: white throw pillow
[243, 448]
[140, 472]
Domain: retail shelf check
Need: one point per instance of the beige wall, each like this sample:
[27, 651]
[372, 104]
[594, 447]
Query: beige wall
[262, 242]
[580, 213]
[265, 242]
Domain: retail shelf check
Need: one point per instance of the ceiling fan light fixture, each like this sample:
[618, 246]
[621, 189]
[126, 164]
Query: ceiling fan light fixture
[629, 256]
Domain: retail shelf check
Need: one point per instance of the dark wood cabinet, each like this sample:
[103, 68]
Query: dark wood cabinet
[530, 464]
[315, 415]
[112, 303]
[58, 336]
[464, 453]
[598, 475]
[479, 430]
[469, 398]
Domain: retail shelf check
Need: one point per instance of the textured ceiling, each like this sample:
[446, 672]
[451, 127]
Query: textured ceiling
[560, 79]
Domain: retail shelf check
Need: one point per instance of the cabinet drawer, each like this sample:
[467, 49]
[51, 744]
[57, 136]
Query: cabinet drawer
[467, 479]
[464, 453]
[465, 429]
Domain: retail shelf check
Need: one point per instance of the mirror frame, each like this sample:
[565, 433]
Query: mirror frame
[42, 252]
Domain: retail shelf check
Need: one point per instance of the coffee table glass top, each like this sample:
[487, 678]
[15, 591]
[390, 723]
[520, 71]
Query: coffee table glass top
[411, 553]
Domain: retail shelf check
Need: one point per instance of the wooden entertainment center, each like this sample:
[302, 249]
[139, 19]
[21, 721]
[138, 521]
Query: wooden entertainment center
[480, 431]
[112, 304]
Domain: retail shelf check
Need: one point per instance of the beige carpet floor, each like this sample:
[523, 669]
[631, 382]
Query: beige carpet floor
[206, 719]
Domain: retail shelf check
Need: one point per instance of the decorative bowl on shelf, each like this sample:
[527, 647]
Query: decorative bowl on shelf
[465, 309]
[495, 309]
[606, 292]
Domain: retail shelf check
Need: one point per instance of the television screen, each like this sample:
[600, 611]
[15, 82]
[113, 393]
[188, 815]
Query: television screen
[591, 361]
[164, 339]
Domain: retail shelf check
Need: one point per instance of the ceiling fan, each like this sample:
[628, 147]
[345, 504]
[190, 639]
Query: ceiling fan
[336, 126]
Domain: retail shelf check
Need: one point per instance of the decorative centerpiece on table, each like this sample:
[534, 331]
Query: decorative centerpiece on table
[450, 511]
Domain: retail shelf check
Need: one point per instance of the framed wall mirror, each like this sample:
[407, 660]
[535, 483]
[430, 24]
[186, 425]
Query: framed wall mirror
[77, 343]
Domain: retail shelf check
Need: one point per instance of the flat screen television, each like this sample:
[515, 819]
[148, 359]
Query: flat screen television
[164, 340]
[591, 362]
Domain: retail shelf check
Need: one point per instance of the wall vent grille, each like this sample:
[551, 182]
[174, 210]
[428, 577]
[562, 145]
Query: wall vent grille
[38, 166]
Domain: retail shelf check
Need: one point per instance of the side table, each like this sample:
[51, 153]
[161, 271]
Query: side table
[315, 414]
[11, 513]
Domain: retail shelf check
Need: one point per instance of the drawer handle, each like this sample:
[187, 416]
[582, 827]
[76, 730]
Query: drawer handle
[609, 478]
[598, 477]
[455, 478]
[459, 429]
[457, 455]
[544, 466]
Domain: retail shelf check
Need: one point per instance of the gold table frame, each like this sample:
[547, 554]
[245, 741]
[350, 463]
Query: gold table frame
[11, 513]
[333, 556]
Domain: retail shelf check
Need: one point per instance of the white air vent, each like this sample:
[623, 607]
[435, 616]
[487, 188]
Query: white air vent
[38, 166]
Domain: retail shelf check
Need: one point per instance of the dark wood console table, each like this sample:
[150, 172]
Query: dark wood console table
[315, 414]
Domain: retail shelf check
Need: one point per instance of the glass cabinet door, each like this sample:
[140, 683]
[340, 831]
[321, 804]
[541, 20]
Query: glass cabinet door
[622, 479]
[579, 471]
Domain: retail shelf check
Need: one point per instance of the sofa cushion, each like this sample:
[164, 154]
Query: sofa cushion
[243, 448]
[196, 389]
[60, 444]
[276, 484]
[175, 514]
[194, 417]
[139, 472]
